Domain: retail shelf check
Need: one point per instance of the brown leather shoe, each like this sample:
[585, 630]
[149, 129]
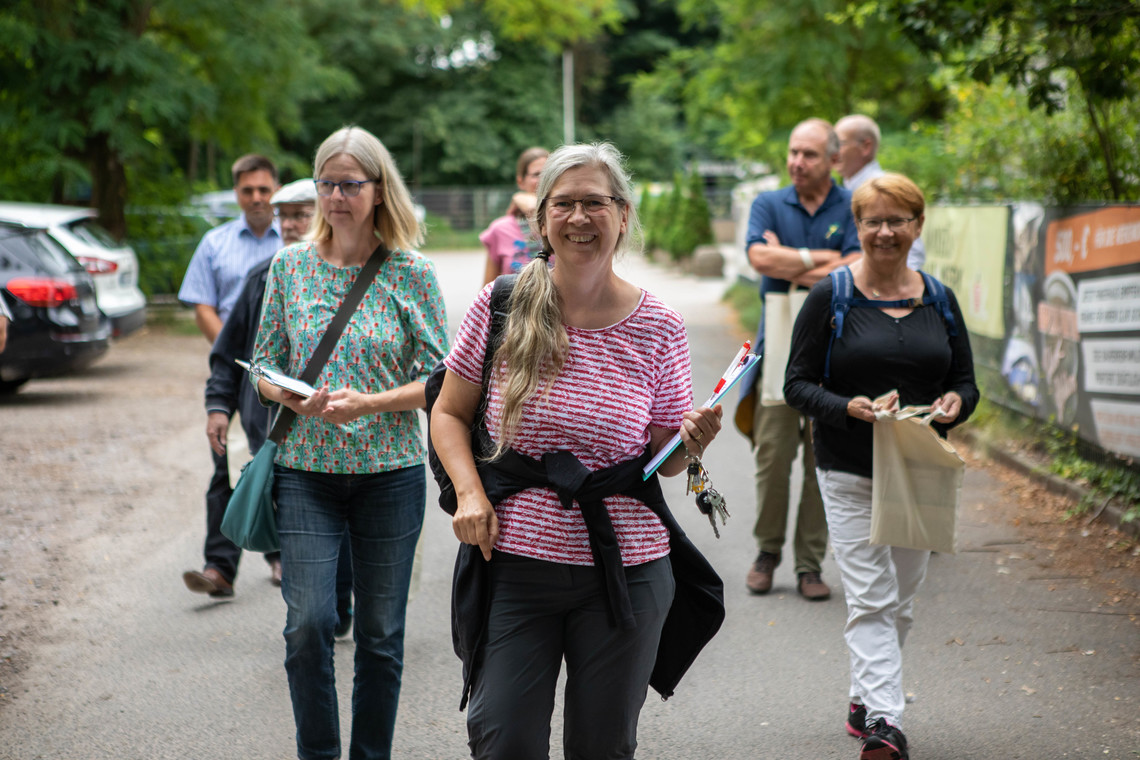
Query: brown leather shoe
[812, 587]
[275, 572]
[208, 581]
[759, 580]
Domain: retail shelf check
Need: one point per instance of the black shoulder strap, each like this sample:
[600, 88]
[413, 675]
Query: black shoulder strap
[328, 341]
[500, 313]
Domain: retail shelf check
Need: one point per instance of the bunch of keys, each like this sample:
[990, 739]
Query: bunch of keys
[709, 501]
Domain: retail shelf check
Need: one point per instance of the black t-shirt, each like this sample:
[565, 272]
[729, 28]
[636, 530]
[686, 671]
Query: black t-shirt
[878, 353]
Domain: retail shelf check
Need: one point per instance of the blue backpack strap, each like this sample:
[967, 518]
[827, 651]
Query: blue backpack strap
[939, 298]
[842, 290]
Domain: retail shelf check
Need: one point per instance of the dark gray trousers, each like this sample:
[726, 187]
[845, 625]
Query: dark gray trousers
[542, 613]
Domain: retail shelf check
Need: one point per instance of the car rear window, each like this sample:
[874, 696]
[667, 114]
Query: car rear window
[35, 253]
[89, 231]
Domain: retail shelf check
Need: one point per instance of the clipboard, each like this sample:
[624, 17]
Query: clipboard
[281, 380]
[675, 441]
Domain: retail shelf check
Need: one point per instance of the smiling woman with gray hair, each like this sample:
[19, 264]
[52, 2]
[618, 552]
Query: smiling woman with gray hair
[591, 379]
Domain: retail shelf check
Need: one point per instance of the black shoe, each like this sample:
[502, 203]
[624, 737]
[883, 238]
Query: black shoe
[856, 724]
[344, 623]
[883, 742]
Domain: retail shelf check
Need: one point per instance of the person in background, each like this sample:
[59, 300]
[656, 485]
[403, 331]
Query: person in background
[882, 349]
[212, 283]
[354, 457]
[795, 235]
[226, 389]
[591, 373]
[508, 240]
[859, 139]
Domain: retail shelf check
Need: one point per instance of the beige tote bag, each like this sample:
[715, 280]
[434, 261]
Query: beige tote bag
[916, 485]
[780, 311]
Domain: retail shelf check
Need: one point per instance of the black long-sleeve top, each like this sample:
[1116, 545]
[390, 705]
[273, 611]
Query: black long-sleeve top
[878, 353]
[228, 389]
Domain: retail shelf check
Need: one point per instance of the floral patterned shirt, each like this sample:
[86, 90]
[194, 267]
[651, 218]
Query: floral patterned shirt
[396, 336]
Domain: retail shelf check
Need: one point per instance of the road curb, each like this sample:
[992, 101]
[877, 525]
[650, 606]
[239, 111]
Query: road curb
[1111, 512]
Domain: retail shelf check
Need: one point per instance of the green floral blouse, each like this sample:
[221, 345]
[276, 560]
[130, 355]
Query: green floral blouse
[397, 334]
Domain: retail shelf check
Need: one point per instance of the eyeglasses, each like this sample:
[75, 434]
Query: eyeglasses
[594, 205]
[299, 216]
[894, 225]
[349, 188]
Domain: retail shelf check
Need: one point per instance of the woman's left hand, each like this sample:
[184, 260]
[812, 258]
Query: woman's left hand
[948, 407]
[699, 427]
[344, 405]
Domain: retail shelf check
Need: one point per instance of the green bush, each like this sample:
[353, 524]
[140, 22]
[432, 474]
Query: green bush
[694, 222]
[670, 220]
[647, 211]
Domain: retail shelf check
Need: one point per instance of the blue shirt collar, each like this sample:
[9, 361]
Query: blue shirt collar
[244, 228]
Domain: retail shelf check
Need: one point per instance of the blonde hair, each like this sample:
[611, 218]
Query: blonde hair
[535, 344]
[394, 220]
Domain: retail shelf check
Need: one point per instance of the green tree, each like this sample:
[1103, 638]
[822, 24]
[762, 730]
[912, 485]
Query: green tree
[91, 88]
[1080, 56]
[777, 63]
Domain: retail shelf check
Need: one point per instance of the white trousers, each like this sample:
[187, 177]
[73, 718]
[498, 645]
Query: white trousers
[880, 584]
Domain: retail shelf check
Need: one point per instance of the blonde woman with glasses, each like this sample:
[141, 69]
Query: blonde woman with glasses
[591, 378]
[353, 457]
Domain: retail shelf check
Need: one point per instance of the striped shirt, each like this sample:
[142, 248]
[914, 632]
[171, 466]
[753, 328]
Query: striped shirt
[396, 336]
[616, 382]
[220, 264]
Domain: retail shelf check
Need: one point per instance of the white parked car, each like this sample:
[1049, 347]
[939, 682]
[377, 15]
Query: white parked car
[114, 267]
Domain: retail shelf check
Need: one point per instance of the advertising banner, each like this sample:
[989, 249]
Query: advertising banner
[966, 250]
[1072, 349]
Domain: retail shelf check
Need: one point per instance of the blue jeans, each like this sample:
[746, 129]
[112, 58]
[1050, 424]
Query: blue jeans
[383, 513]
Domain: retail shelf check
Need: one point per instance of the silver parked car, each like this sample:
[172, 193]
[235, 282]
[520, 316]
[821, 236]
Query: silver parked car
[113, 266]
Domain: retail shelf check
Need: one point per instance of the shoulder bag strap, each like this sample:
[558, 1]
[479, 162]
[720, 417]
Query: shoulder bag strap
[324, 349]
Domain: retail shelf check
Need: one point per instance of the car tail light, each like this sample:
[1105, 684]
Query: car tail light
[95, 265]
[43, 292]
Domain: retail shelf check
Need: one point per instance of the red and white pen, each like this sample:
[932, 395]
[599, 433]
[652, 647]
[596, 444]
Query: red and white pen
[733, 367]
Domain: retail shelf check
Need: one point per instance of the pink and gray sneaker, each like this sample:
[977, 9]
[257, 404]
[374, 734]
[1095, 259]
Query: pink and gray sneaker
[856, 724]
[883, 742]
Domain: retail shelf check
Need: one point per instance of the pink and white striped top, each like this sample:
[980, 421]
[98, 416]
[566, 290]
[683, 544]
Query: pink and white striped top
[615, 383]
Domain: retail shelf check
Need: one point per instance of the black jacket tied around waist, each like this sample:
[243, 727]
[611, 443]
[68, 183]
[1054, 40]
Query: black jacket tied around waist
[698, 603]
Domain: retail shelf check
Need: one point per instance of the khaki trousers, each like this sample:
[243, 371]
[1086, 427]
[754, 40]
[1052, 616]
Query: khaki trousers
[777, 434]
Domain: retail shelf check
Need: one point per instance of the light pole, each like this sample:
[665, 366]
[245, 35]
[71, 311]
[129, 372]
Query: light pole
[567, 96]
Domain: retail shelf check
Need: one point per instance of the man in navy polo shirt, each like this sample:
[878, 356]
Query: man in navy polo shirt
[795, 235]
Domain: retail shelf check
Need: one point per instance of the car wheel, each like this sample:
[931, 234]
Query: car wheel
[11, 386]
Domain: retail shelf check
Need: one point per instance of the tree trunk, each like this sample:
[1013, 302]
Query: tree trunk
[108, 185]
[192, 169]
[1107, 149]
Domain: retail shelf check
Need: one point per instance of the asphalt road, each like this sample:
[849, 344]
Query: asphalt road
[1007, 660]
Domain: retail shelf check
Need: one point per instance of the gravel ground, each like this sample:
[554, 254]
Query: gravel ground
[78, 461]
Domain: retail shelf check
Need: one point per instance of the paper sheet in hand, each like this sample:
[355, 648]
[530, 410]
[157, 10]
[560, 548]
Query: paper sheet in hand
[272, 376]
[714, 399]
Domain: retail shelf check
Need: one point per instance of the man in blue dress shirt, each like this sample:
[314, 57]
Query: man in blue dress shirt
[212, 284]
[795, 235]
